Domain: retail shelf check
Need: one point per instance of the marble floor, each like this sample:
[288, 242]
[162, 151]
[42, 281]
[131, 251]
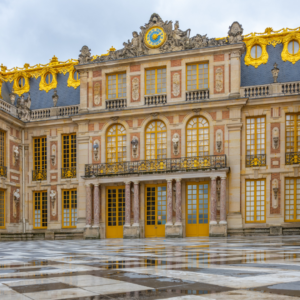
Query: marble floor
[190, 268]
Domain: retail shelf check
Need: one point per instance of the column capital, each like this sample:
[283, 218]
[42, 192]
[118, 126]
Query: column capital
[88, 185]
[213, 177]
[127, 182]
[169, 180]
[136, 182]
[178, 179]
[96, 184]
[223, 177]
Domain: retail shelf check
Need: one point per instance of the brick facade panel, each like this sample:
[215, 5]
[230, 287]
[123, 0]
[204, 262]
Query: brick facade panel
[275, 210]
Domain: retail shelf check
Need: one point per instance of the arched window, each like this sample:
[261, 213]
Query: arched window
[156, 140]
[197, 137]
[116, 143]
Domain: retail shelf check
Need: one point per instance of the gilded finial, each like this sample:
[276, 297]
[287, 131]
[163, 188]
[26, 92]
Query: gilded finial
[53, 60]
[3, 68]
[26, 66]
[268, 30]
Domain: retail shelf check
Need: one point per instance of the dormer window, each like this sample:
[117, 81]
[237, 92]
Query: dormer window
[76, 75]
[293, 47]
[48, 78]
[21, 82]
[256, 51]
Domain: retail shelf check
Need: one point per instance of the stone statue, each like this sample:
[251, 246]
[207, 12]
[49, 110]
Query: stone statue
[175, 141]
[275, 72]
[235, 33]
[16, 154]
[17, 196]
[180, 37]
[23, 108]
[134, 143]
[85, 55]
[53, 201]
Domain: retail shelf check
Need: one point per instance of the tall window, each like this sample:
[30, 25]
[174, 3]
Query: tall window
[2, 148]
[197, 77]
[292, 200]
[197, 137]
[255, 201]
[2, 209]
[40, 209]
[156, 81]
[116, 144]
[292, 133]
[69, 202]
[256, 135]
[156, 140]
[69, 150]
[116, 86]
[40, 153]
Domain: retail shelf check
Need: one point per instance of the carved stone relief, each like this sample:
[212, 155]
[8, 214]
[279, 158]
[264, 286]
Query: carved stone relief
[275, 193]
[275, 140]
[219, 79]
[85, 55]
[97, 93]
[175, 141]
[176, 84]
[96, 149]
[16, 202]
[134, 143]
[53, 155]
[219, 140]
[16, 155]
[135, 88]
[23, 108]
[53, 201]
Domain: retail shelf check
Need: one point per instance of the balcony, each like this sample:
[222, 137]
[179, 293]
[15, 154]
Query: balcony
[197, 95]
[257, 160]
[156, 99]
[39, 175]
[184, 164]
[3, 171]
[116, 104]
[68, 172]
[292, 158]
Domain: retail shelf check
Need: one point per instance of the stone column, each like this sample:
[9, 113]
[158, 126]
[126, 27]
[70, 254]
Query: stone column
[136, 204]
[213, 201]
[169, 202]
[223, 201]
[178, 202]
[96, 205]
[83, 92]
[88, 197]
[127, 203]
[235, 65]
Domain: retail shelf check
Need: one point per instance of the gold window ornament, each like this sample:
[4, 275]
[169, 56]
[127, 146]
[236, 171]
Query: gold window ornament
[21, 83]
[292, 200]
[40, 209]
[156, 81]
[74, 78]
[48, 79]
[116, 86]
[69, 208]
[290, 50]
[156, 140]
[116, 143]
[197, 76]
[255, 201]
[197, 137]
[256, 52]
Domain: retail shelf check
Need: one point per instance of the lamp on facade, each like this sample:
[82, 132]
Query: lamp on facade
[55, 98]
[275, 72]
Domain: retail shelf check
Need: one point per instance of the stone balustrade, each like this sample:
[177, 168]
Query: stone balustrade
[156, 99]
[116, 104]
[197, 95]
[54, 112]
[7, 107]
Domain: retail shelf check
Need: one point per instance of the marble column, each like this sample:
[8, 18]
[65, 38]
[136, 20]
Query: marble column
[178, 202]
[223, 201]
[127, 203]
[88, 214]
[169, 202]
[213, 200]
[136, 204]
[96, 205]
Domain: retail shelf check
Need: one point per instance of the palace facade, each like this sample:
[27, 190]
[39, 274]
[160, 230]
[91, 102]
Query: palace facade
[171, 136]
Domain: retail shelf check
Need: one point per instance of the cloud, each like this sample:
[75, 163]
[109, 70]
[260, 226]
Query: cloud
[32, 31]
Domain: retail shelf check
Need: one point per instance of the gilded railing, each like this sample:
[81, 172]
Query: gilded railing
[184, 164]
[257, 160]
[3, 171]
[39, 175]
[68, 172]
[292, 158]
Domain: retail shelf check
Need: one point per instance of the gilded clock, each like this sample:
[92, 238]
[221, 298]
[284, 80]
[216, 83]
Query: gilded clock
[155, 37]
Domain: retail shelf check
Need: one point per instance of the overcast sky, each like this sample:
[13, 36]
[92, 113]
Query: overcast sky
[32, 31]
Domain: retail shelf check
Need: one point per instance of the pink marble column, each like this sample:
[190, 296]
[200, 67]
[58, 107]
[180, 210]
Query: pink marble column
[136, 204]
[127, 203]
[96, 205]
[88, 197]
[169, 203]
[178, 202]
[213, 200]
[223, 201]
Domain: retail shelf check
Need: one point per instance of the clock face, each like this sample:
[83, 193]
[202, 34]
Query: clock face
[155, 37]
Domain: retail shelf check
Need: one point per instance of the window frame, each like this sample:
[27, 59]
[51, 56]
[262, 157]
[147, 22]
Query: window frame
[117, 143]
[255, 133]
[41, 203]
[40, 151]
[117, 86]
[70, 150]
[4, 210]
[70, 207]
[186, 75]
[296, 137]
[255, 200]
[295, 199]
[293, 41]
[257, 57]
[155, 68]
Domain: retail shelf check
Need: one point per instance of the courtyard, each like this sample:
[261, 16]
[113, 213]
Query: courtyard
[190, 268]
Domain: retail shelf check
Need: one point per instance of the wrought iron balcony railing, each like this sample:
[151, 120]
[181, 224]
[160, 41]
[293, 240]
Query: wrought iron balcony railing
[39, 175]
[3, 171]
[184, 164]
[257, 160]
[292, 158]
[68, 172]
